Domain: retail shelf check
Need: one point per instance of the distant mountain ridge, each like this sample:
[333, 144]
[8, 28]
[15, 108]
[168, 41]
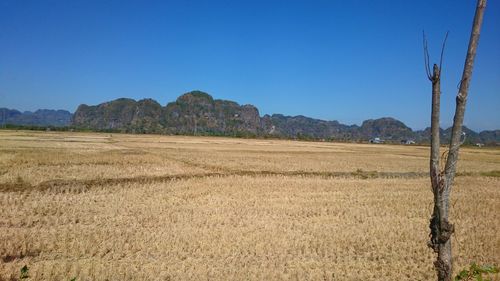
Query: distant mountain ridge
[41, 117]
[198, 113]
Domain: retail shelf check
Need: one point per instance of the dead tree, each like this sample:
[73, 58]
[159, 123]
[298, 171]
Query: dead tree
[442, 178]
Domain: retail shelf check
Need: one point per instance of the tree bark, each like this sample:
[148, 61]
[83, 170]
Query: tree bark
[442, 181]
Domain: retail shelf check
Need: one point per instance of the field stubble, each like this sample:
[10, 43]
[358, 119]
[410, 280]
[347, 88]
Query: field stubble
[101, 206]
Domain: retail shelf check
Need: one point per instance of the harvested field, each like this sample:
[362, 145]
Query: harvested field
[144, 207]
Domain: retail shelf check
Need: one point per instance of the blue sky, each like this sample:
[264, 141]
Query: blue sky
[334, 60]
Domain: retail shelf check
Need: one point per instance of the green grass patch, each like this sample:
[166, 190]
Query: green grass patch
[495, 174]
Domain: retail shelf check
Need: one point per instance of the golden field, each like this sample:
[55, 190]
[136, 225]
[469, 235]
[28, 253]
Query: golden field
[144, 207]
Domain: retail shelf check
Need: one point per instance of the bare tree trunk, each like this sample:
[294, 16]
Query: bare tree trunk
[461, 98]
[442, 181]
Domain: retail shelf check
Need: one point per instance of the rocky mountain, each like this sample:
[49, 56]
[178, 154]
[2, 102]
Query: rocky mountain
[305, 127]
[41, 117]
[192, 113]
[471, 137]
[386, 128]
[490, 137]
[125, 115]
[199, 113]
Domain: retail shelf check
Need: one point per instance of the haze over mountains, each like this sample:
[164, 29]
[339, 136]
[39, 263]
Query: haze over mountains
[198, 113]
[41, 117]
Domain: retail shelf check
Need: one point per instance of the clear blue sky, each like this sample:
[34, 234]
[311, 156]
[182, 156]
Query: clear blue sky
[335, 60]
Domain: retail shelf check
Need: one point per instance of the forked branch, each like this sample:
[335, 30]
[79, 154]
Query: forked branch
[433, 75]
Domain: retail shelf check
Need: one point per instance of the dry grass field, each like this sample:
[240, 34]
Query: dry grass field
[143, 207]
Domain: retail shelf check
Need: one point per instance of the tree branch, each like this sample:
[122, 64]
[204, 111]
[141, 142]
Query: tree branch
[461, 98]
[426, 57]
[442, 52]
